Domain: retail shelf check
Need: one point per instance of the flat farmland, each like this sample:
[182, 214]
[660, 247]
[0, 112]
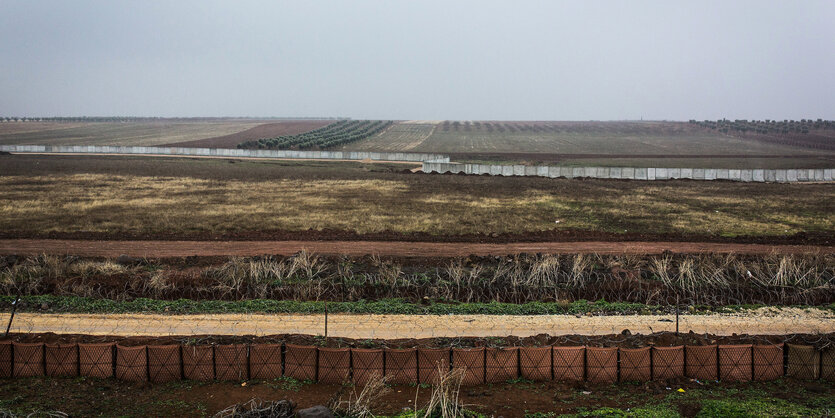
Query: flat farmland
[615, 138]
[403, 136]
[143, 197]
[118, 133]
[574, 138]
[266, 130]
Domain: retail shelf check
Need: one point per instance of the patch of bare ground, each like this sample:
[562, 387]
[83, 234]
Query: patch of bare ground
[168, 249]
[765, 321]
[516, 399]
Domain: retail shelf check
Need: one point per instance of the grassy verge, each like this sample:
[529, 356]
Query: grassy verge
[762, 400]
[75, 304]
[109, 397]
[686, 280]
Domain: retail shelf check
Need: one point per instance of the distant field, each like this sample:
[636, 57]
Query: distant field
[613, 138]
[117, 133]
[266, 130]
[658, 144]
[399, 137]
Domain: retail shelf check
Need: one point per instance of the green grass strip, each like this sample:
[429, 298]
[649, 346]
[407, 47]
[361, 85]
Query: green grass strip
[384, 306]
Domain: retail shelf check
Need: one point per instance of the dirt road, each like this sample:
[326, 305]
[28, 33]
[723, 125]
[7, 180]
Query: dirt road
[159, 249]
[763, 321]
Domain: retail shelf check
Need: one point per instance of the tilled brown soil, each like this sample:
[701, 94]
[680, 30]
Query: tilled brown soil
[563, 236]
[167, 249]
[267, 130]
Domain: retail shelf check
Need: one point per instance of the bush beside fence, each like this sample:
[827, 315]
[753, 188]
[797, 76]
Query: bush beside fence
[409, 366]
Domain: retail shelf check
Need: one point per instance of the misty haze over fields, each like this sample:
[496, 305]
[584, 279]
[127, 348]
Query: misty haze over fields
[531, 60]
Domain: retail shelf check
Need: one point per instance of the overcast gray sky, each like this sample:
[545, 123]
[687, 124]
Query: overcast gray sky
[512, 60]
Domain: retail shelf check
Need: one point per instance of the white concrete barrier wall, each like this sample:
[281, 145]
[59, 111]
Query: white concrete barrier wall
[441, 164]
[636, 173]
[250, 153]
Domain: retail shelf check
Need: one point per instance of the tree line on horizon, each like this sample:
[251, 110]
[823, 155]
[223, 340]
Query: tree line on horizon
[767, 126]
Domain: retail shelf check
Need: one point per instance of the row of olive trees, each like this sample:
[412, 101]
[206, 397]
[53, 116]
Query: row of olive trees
[335, 134]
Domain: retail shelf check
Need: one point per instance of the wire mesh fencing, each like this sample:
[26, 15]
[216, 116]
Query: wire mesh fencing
[418, 365]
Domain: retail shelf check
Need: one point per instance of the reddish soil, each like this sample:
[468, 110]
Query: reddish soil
[623, 340]
[267, 130]
[110, 397]
[166, 249]
[567, 237]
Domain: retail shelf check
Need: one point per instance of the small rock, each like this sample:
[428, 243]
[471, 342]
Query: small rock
[626, 332]
[317, 411]
[44, 306]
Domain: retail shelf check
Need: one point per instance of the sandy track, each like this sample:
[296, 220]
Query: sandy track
[763, 321]
[159, 249]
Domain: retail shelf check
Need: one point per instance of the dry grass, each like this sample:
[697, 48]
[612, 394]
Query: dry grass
[654, 280]
[360, 405]
[116, 204]
[36, 275]
[445, 400]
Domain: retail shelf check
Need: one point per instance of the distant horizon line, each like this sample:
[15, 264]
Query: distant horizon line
[6, 119]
